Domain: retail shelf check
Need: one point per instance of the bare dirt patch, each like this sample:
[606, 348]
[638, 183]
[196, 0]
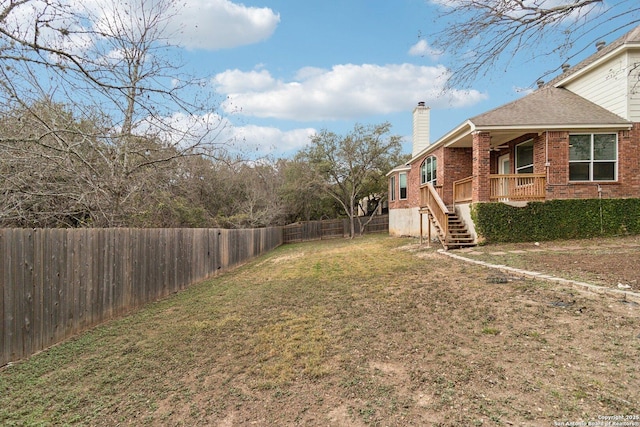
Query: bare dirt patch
[370, 332]
[611, 262]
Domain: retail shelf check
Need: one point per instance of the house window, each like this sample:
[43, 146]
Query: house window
[428, 171]
[403, 185]
[392, 188]
[593, 157]
[524, 157]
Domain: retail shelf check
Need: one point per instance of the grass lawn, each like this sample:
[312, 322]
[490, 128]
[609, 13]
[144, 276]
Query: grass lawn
[371, 331]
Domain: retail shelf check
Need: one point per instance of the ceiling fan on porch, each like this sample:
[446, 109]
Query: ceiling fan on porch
[498, 148]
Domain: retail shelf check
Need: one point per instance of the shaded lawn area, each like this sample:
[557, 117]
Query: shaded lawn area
[371, 331]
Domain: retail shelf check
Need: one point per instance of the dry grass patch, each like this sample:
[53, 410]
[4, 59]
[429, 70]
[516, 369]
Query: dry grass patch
[374, 331]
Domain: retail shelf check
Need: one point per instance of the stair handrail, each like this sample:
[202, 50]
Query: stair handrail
[438, 209]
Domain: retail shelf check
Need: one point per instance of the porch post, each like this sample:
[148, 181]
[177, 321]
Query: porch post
[480, 190]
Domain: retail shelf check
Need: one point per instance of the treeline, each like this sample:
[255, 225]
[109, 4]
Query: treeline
[101, 126]
[86, 181]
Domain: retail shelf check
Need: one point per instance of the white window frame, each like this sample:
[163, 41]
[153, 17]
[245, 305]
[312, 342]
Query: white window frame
[392, 188]
[517, 167]
[406, 186]
[591, 160]
[429, 166]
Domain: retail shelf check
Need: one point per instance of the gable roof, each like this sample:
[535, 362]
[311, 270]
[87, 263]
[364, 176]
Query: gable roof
[545, 109]
[548, 107]
[631, 38]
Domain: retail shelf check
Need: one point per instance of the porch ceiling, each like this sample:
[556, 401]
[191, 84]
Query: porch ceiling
[503, 135]
[498, 137]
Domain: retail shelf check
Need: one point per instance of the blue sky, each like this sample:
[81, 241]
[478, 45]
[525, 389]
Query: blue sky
[328, 64]
[285, 69]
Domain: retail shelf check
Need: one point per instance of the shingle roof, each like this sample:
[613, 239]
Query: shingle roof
[551, 105]
[548, 106]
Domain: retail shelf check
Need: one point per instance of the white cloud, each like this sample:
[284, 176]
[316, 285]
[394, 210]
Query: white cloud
[200, 24]
[235, 80]
[305, 73]
[23, 20]
[214, 130]
[345, 92]
[193, 24]
[218, 24]
[422, 48]
[263, 140]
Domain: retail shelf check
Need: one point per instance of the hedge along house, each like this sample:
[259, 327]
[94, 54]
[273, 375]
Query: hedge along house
[577, 136]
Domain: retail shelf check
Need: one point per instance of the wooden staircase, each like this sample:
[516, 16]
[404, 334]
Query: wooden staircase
[451, 229]
[457, 234]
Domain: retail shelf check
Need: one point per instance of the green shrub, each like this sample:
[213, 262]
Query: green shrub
[556, 219]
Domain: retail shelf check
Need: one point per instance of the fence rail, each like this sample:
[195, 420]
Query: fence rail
[55, 283]
[331, 228]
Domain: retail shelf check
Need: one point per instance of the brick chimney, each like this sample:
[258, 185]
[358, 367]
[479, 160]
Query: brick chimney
[421, 119]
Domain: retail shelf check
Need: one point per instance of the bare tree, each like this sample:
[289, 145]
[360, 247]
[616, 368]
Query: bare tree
[64, 177]
[111, 66]
[348, 165]
[484, 36]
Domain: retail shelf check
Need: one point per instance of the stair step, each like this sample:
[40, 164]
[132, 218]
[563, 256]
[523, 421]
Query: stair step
[460, 238]
[461, 242]
[458, 234]
[465, 236]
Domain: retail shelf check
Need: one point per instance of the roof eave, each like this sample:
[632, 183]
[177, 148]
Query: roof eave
[543, 127]
[573, 76]
[401, 168]
[457, 133]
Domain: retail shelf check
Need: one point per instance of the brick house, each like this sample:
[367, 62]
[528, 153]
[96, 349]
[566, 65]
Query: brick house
[577, 136]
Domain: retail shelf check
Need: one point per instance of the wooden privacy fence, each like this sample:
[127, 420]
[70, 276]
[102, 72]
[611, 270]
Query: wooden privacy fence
[55, 283]
[331, 228]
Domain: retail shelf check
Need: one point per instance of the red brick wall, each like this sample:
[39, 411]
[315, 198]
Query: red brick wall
[627, 185]
[558, 148]
[629, 160]
[481, 166]
[539, 154]
[452, 164]
[458, 165]
[397, 203]
[413, 193]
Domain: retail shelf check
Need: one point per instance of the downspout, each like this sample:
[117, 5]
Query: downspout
[600, 203]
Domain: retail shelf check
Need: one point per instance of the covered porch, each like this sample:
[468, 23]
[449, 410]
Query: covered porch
[450, 227]
[503, 188]
[505, 167]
